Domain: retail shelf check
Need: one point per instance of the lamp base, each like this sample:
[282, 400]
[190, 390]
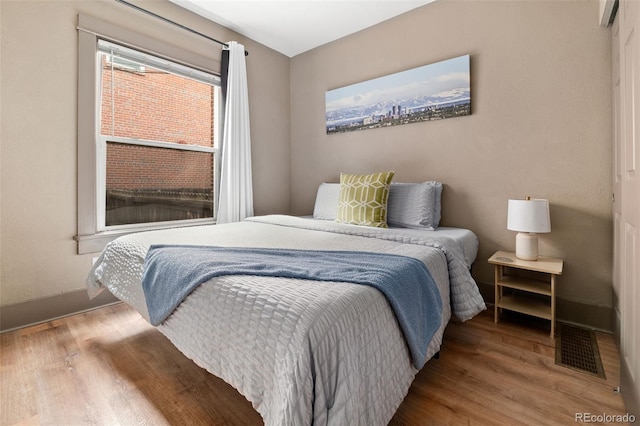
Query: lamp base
[527, 246]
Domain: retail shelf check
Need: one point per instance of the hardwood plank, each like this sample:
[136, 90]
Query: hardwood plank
[514, 376]
[110, 367]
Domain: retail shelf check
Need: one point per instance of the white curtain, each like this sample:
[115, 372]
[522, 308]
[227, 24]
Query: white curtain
[236, 189]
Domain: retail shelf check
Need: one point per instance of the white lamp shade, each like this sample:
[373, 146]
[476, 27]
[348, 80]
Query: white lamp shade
[529, 216]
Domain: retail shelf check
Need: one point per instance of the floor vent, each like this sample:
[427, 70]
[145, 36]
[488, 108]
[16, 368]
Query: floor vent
[577, 348]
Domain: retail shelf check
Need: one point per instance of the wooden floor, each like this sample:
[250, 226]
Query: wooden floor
[109, 367]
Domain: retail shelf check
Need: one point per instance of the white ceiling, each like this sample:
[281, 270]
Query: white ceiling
[294, 26]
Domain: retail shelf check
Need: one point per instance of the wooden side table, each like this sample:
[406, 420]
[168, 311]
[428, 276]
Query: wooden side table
[542, 307]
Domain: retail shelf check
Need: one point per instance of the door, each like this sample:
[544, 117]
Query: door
[626, 187]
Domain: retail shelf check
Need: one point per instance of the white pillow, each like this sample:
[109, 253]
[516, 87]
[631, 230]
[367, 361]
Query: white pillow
[415, 205]
[327, 199]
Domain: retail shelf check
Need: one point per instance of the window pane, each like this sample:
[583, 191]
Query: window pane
[148, 184]
[152, 184]
[141, 102]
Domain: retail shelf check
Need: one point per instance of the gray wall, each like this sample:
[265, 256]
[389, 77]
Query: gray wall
[540, 126]
[39, 106]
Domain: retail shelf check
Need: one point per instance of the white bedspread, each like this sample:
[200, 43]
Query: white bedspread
[303, 352]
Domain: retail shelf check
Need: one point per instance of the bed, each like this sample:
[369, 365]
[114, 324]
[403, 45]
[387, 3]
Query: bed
[302, 351]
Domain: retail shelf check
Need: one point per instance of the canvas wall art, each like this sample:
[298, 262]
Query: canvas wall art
[430, 92]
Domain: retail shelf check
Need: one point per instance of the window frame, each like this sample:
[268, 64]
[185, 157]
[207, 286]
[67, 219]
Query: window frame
[92, 236]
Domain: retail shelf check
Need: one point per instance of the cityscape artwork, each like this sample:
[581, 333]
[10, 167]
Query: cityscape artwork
[430, 92]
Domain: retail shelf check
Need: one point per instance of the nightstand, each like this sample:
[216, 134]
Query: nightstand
[537, 293]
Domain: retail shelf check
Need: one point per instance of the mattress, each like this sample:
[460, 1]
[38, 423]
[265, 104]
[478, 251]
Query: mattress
[301, 351]
[465, 238]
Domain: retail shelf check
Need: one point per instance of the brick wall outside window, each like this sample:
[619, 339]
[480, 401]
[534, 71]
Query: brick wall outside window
[151, 184]
[155, 105]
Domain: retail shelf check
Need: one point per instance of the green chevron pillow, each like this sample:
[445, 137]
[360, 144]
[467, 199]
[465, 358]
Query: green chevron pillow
[363, 199]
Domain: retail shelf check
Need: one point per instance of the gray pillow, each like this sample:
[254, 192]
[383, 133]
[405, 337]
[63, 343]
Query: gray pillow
[415, 205]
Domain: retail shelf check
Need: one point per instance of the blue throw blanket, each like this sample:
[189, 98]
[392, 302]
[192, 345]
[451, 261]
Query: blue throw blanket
[172, 272]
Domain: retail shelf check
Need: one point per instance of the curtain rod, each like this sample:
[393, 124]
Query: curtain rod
[176, 24]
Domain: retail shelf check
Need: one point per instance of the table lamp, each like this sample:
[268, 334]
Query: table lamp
[528, 217]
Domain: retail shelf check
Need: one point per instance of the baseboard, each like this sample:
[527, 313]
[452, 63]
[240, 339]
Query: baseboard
[590, 316]
[36, 311]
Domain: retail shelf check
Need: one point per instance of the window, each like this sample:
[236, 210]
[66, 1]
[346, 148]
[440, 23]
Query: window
[157, 122]
[147, 128]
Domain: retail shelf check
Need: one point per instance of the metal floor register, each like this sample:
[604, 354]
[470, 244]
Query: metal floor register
[577, 348]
